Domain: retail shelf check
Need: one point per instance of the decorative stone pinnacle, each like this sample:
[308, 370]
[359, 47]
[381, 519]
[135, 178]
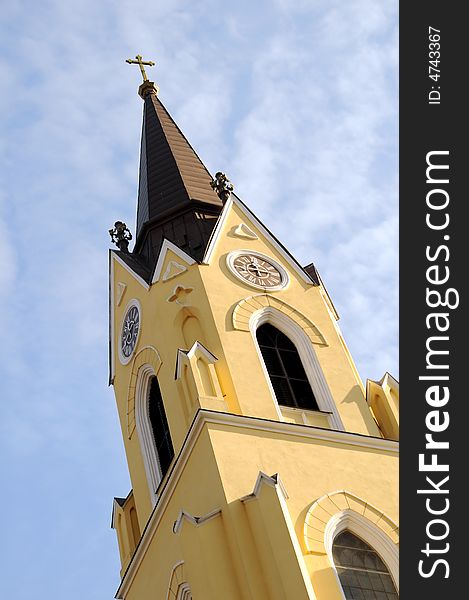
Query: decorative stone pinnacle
[222, 185]
[121, 236]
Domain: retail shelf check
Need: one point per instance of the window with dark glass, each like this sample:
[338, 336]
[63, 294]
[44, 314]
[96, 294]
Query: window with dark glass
[159, 425]
[286, 371]
[362, 573]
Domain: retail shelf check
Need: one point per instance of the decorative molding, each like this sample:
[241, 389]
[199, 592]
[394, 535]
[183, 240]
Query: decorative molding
[217, 230]
[371, 533]
[121, 287]
[265, 232]
[336, 511]
[167, 245]
[246, 308]
[140, 280]
[178, 588]
[198, 350]
[180, 294]
[383, 399]
[342, 438]
[205, 417]
[243, 231]
[275, 483]
[147, 356]
[116, 509]
[173, 270]
[183, 515]
[304, 414]
[334, 506]
[184, 592]
[299, 330]
[263, 479]
[112, 325]
[146, 365]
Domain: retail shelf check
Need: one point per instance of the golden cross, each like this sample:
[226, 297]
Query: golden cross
[140, 63]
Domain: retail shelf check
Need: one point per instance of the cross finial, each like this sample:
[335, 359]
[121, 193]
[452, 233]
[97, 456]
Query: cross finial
[140, 63]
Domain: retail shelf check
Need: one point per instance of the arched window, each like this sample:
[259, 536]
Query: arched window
[286, 371]
[361, 571]
[159, 424]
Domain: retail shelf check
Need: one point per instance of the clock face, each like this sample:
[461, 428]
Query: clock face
[130, 329]
[257, 270]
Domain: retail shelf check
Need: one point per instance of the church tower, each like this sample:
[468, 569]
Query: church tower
[261, 467]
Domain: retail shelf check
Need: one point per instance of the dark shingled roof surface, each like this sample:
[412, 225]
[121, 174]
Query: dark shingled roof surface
[172, 176]
[136, 263]
[175, 198]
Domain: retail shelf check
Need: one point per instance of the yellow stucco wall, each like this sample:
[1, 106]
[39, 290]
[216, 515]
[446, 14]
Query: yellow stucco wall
[225, 555]
[222, 466]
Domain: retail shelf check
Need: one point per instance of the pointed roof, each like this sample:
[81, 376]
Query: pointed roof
[172, 176]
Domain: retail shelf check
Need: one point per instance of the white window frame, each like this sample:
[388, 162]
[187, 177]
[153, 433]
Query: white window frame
[369, 533]
[308, 358]
[145, 431]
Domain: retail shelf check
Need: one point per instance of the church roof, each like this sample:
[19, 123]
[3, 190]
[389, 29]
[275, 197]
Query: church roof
[173, 179]
[176, 201]
[137, 263]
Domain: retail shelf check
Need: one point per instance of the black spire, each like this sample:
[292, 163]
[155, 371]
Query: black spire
[175, 198]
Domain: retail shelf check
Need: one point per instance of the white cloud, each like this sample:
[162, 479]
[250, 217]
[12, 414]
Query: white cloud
[295, 101]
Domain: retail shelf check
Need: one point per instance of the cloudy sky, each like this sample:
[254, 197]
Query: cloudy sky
[296, 100]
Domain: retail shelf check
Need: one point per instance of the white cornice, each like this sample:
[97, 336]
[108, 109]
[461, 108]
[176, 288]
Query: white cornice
[263, 479]
[184, 515]
[205, 417]
[307, 431]
[167, 245]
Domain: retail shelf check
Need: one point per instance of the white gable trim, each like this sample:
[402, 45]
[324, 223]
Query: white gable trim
[167, 245]
[141, 281]
[216, 232]
[112, 366]
[196, 348]
[265, 232]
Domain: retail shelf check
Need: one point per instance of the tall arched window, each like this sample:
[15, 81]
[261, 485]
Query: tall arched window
[361, 571]
[160, 428]
[286, 371]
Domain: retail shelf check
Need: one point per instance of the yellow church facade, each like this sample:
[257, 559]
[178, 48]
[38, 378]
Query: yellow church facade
[261, 467]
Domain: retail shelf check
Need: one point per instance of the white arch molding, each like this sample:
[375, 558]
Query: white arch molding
[369, 533]
[184, 592]
[178, 588]
[144, 430]
[317, 381]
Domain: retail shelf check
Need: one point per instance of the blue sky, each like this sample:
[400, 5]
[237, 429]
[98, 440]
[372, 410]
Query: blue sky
[295, 100]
